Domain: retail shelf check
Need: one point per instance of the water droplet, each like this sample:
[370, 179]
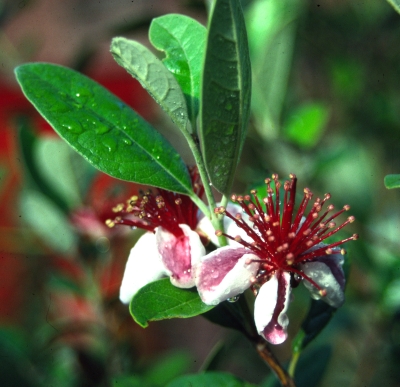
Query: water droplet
[73, 126]
[103, 244]
[233, 299]
[101, 128]
[214, 274]
[127, 141]
[60, 108]
[110, 143]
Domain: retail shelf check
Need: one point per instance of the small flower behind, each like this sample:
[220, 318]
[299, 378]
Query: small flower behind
[171, 245]
[280, 249]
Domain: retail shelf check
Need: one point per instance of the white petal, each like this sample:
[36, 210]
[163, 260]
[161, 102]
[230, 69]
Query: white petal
[224, 273]
[270, 308]
[143, 266]
[230, 226]
[197, 250]
[179, 254]
[323, 276]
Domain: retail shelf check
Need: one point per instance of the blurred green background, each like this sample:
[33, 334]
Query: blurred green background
[326, 106]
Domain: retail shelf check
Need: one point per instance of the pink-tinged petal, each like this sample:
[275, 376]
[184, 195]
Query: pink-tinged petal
[178, 254]
[143, 266]
[327, 272]
[230, 227]
[270, 308]
[225, 273]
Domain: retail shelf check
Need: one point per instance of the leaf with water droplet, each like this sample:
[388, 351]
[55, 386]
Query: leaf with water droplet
[160, 300]
[100, 128]
[225, 95]
[143, 65]
[183, 41]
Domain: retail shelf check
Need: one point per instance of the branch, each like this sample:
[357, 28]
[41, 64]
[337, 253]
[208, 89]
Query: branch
[266, 354]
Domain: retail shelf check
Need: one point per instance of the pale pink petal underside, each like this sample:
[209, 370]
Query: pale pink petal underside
[177, 254]
[329, 276]
[225, 273]
[270, 308]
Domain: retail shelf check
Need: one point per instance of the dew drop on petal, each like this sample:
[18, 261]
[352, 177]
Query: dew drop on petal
[233, 299]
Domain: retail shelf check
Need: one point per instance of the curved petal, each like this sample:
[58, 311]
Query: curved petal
[230, 226]
[225, 273]
[178, 254]
[327, 272]
[143, 266]
[270, 308]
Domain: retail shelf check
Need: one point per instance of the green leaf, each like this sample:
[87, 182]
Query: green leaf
[168, 367]
[47, 221]
[305, 125]
[318, 317]
[395, 4]
[183, 41]
[160, 300]
[102, 128]
[392, 181]
[54, 161]
[143, 65]
[214, 379]
[271, 31]
[225, 93]
[28, 142]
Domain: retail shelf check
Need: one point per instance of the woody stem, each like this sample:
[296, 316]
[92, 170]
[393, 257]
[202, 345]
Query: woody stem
[266, 354]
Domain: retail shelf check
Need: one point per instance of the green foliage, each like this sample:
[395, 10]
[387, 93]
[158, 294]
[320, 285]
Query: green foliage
[271, 30]
[215, 379]
[392, 181]
[47, 221]
[143, 65]
[100, 127]
[318, 317]
[225, 93]
[183, 41]
[395, 4]
[29, 145]
[305, 125]
[161, 300]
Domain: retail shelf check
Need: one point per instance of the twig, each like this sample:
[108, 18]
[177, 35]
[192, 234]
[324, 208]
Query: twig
[273, 363]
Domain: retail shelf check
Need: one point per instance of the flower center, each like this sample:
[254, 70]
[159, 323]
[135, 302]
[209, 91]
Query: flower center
[281, 238]
[164, 208]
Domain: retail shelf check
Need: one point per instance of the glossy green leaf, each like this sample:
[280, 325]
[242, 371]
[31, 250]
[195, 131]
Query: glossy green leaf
[160, 300]
[392, 181]
[271, 31]
[214, 379]
[306, 124]
[143, 65]
[225, 93]
[102, 128]
[183, 41]
[395, 4]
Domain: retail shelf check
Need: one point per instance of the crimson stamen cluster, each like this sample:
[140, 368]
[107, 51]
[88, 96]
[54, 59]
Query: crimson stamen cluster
[161, 208]
[281, 238]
